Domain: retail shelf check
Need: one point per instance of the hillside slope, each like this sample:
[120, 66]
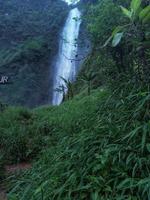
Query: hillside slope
[29, 40]
[92, 147]
[96, 145]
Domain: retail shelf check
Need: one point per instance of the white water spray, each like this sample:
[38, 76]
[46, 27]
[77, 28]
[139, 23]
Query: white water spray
[73, 2]
[65, 65]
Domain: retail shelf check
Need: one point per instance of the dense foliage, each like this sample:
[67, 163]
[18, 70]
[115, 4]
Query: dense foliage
[130, 57]
[97, 145]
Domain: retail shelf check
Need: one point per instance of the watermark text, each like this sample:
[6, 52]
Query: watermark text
[4, 79]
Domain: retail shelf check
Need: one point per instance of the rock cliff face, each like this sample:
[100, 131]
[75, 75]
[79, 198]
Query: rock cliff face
[29, 32]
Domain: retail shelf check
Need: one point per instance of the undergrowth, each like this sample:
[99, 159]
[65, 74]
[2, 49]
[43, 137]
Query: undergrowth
[99, 149]
[20, 137]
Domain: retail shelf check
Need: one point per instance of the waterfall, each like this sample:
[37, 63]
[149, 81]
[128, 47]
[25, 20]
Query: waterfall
[65, 65]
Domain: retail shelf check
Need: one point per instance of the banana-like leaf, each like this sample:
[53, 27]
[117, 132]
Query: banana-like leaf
[146, 19]
[135, 5]
[115, 31]
[117, 38]
[144, 12]
[126, 12]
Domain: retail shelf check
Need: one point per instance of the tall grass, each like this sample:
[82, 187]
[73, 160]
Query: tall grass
[21, 136]
[101, 150]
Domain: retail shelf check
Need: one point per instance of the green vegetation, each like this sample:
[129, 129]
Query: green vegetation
[97, 148]
[16, 127]
[29, 40]
[130, 57]
[96, 145]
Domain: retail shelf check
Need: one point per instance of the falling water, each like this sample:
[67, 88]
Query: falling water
[65, 63]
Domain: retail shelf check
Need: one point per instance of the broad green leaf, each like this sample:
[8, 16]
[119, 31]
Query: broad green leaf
[116, 30]
[144, 12]
[146, 19]
[135, 5]
[126, 12]
[117, 39]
